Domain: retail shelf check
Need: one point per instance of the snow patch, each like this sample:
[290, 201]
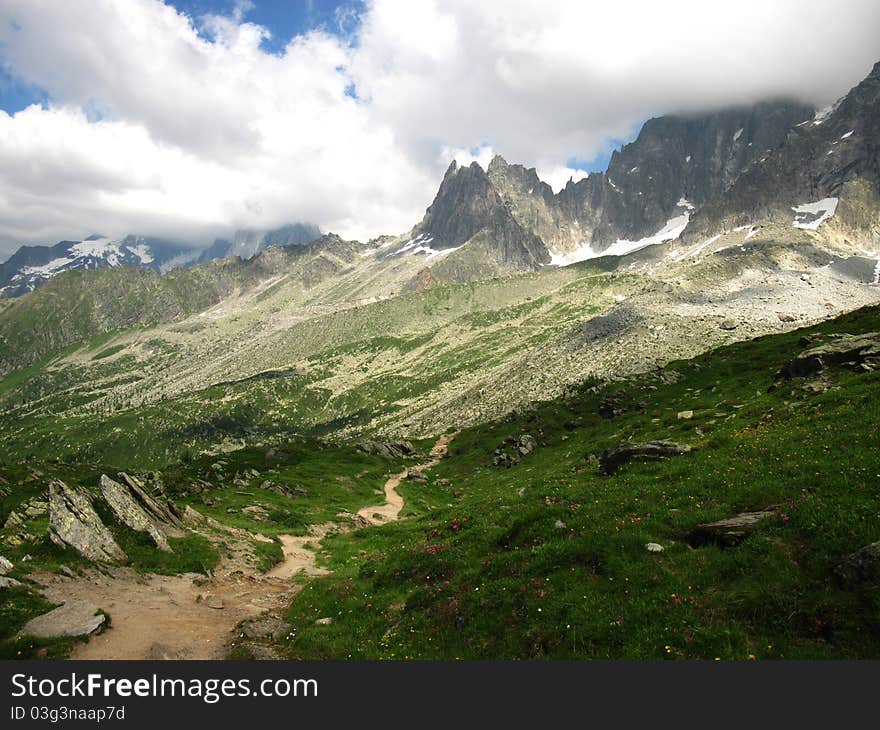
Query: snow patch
[848, 134]
[737, 134]
[687, 159]
[811, 215]
[142, 251]
[622, 247]
[694, 252]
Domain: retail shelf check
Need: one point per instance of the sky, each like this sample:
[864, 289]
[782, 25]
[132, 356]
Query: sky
[189, 119]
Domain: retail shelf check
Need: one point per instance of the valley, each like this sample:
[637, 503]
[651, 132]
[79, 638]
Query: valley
[632, 418]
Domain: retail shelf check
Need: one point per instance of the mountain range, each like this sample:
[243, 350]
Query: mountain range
[32, 266]
[632, 418]
[702, 230]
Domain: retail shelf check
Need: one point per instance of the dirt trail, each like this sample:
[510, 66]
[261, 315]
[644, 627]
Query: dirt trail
[390, 510]
[194, 617]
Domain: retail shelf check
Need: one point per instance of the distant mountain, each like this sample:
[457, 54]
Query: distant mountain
[248, 243]
[651, 186]
[32, 266]
[828, 165]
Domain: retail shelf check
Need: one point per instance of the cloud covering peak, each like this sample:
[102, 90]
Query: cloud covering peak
[163, 124]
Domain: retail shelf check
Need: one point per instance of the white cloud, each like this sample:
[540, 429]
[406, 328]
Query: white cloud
[157, 126]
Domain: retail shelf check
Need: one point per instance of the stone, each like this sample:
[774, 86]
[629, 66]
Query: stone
[685, 415]
[611, 459]
[559, 525]
[64, 570]
[653, 547]
[526, 444]
[728, 325]
[855, 349]
[265, 627]
[130, 513]
[5, 565]
[326, 621]
[255, 512]
[74, 618]
[74, 522]
[728, 532]
[214, 601]
[160, 511]
[860, 567]
[13, 520]
[6, 582]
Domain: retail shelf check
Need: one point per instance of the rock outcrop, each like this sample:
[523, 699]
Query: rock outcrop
[132, 514]
[73, 522]
[863, 566]
[854, 350]
[730, 531]
[612, 459]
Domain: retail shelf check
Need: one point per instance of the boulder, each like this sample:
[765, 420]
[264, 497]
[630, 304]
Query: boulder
[728, 325]
[130, 513]
[728, 532]
[266, 627]
[255, 512]
[74, 618]
[161, 511]
[845, 349]
[74, 522]
[6, 582]
[5, 565]
[611, 459]
[860, 567]
[526, 444]
[684, 415]
[654, 547]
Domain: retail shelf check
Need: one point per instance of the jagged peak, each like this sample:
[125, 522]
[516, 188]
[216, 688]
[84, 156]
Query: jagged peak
[497, 163]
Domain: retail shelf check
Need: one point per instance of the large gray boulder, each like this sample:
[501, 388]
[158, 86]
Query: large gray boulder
[130, 513]
[161, 511]
[856, 349]
[612, 459]
[860, 567]
[73, 522]
[730, 531]
[74, 618]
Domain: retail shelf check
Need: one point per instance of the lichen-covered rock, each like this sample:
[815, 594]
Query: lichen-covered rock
[162, 512]
[73, 522]
[130, 513]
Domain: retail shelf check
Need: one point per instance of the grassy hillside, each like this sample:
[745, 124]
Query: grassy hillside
[548, 559]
